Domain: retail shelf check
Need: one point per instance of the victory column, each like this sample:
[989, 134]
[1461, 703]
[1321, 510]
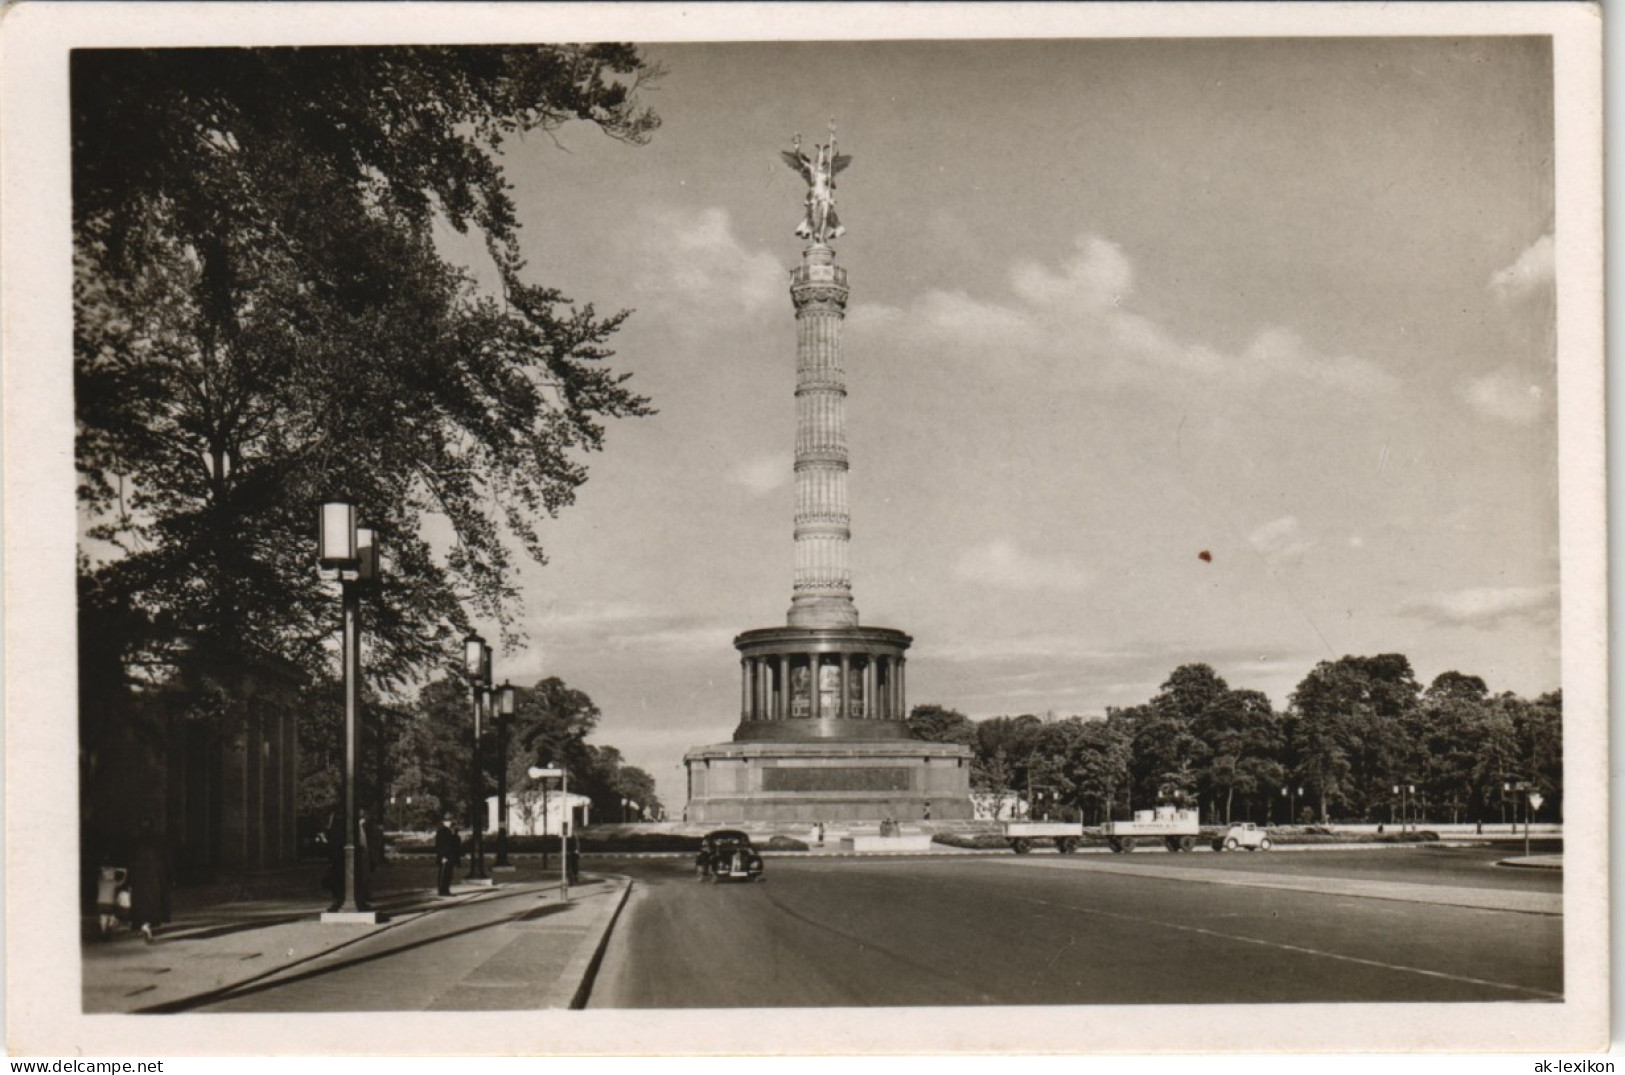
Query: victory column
[822, 704]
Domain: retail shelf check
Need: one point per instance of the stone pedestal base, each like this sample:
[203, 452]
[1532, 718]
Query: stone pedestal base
[350, 918]
[903, 779]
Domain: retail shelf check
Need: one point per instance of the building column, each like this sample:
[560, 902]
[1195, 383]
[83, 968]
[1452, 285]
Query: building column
[869, 680]
[902, 688]
[784, 687]
[815, 700]
[744, 688]
[844, 709]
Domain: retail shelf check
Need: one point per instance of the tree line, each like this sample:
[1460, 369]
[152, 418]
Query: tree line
[1353, 730]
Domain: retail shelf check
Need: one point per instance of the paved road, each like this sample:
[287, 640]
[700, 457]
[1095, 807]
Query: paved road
[1044, 929]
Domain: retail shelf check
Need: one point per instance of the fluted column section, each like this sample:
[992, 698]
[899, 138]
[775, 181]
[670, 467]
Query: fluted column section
[822, 595]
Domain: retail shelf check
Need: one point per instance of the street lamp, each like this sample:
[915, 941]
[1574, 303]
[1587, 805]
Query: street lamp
[539, 773]
[477, 666]
[348, 553]
[1402, 790]
[504, 707]
[1292, 799]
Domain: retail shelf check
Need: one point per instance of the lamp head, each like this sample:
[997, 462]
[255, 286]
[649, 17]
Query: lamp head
[474, 656]
[336, 541]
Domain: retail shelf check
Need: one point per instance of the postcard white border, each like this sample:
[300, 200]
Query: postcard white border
[43, 995]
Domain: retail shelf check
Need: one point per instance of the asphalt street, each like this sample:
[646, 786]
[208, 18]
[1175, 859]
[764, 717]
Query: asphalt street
[1085, 929]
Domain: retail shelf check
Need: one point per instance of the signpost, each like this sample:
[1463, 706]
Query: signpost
[1535, 799]
[538, 773]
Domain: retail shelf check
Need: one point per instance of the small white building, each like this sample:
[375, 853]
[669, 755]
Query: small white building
[535, 813]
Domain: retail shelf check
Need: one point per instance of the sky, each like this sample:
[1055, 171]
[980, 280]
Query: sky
[1114, 304]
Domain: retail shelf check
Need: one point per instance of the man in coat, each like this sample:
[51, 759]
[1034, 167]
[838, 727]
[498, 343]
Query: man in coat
[448, 851]
[333, 879]
[148, 878]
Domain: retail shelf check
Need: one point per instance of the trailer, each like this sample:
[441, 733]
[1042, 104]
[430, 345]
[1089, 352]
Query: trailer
[1023, 834]
[1178, 829]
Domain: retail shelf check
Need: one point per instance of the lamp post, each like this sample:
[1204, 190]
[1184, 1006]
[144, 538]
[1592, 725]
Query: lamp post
[504, 708]
[538, 773]
[349, 554]
[477, 665]
[1291, 795]
[1403, 790]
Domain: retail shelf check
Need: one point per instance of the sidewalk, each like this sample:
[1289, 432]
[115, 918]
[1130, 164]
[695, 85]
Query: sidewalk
[213, 948]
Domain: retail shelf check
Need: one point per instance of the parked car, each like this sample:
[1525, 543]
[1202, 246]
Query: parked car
[727, 855]
[1246, 835]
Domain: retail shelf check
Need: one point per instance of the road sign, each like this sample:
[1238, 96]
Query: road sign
[537, 773]
[1535, 799]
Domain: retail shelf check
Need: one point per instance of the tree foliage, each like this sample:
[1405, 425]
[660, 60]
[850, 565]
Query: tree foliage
[262, 320]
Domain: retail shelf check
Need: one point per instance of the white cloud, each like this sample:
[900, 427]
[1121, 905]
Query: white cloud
[1532, 271]
[1077, 315]
[1281, 541]
[1486, 607]
[764, 475]
[1505, 396]
[1001, 563]
[1099, 275]
[691, 262]
[1279, 352]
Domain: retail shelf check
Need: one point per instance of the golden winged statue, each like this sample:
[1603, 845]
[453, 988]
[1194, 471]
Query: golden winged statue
[820, 224]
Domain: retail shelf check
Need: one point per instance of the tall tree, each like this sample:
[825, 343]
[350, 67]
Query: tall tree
[1243, 735]
[1352, 720]
[938, 724]
[262, 320]
[1100, 765]
[1005, 749]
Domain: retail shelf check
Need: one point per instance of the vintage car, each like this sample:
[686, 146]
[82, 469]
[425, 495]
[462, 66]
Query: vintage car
[727, 855]
[1248, 835]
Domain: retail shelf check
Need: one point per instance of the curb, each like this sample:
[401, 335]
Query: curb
[1530, 863]
[582, 969]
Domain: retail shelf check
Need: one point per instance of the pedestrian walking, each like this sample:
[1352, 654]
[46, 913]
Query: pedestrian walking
[448, 852]
[149, 881]
[364, 857]
[572, 866]
[333, 879]
[372, 834]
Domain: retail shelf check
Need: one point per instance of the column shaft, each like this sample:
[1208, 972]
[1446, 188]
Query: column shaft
[846, 686]
[784, 686]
